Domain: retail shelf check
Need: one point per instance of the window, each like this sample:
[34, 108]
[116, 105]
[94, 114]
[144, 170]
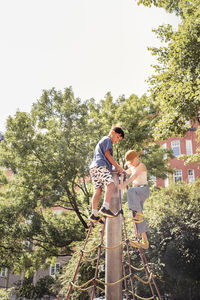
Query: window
[187, 123]
[189, 147]
[176, 147]
[191, 176]
[58, 211]
[54, 269]
[3, 272]
[165, 147]
[166, 181]
[29, 220]
[152, 179]
[1, 137]
[177, 176]
[28, 245]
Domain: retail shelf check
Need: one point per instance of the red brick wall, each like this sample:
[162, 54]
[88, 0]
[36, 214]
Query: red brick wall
[179, 164]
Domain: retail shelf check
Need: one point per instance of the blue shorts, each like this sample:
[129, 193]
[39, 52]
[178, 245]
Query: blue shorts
[136, 197]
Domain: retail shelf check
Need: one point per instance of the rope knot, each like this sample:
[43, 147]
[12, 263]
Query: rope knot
[131, 275]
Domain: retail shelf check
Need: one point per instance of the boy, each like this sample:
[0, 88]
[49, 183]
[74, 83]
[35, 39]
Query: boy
[137, 194]
[100, 171]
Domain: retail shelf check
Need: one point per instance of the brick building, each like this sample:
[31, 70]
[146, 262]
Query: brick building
[9, 280]
[181, 145]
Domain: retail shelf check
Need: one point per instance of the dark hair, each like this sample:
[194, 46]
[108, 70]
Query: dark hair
[119, 130]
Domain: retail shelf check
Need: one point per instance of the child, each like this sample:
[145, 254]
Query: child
[100, 171]
[137, 194]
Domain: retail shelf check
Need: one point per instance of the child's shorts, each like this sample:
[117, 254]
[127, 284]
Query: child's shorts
[100, 176]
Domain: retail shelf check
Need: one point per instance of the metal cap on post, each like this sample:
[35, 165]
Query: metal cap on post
[113, 238]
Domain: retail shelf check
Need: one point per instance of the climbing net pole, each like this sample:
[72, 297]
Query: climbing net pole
[113, 255]
[127, 247]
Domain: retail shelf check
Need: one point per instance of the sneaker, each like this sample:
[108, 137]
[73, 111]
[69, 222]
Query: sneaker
[95, 219]
[138, 218]
[143, 244]
[134, 213]
[107, 212]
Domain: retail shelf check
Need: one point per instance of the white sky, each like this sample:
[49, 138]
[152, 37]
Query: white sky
[95, 46]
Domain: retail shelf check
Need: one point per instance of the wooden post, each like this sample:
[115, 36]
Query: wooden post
[113, 264]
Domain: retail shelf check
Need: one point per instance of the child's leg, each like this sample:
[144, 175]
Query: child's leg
[108, 194]
[94, 217]
[95, 174]
[95, 199]
[144, 243]
[142, 227]
[144, 236]
[136, 197]
[105, 211]
[107, 179]
[134, 200]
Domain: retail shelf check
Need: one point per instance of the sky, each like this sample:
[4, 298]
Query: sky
[94, 46]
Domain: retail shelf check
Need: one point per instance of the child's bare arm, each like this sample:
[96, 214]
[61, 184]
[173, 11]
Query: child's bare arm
[127, 182]
[112, 161]
[128, 171]
[133, 177]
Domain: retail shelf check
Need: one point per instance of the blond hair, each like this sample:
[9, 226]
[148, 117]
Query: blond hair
[130, 156]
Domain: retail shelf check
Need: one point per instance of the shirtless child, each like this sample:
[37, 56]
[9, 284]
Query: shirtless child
[137, 195]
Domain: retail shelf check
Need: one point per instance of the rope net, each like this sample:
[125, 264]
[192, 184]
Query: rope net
[129, 271]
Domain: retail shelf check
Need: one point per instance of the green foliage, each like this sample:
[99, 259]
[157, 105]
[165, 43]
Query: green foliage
[42, 234]
[169, 5]
[48, 148]
[5, 293]
[153, 159]
[173, 217]
[137, 117]
[175, 87]
[25, 288]
[87, 269]
[44, 286]
[49, 151]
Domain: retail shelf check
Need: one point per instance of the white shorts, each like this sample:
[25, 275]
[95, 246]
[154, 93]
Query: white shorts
[100, 176]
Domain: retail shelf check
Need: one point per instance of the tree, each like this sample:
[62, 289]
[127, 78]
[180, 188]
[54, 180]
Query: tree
[47, 150]
[172, 215]
[175, 240]
[137, 117]
[5, 294]
[168, 5]
[25, 288]
[175, 87]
